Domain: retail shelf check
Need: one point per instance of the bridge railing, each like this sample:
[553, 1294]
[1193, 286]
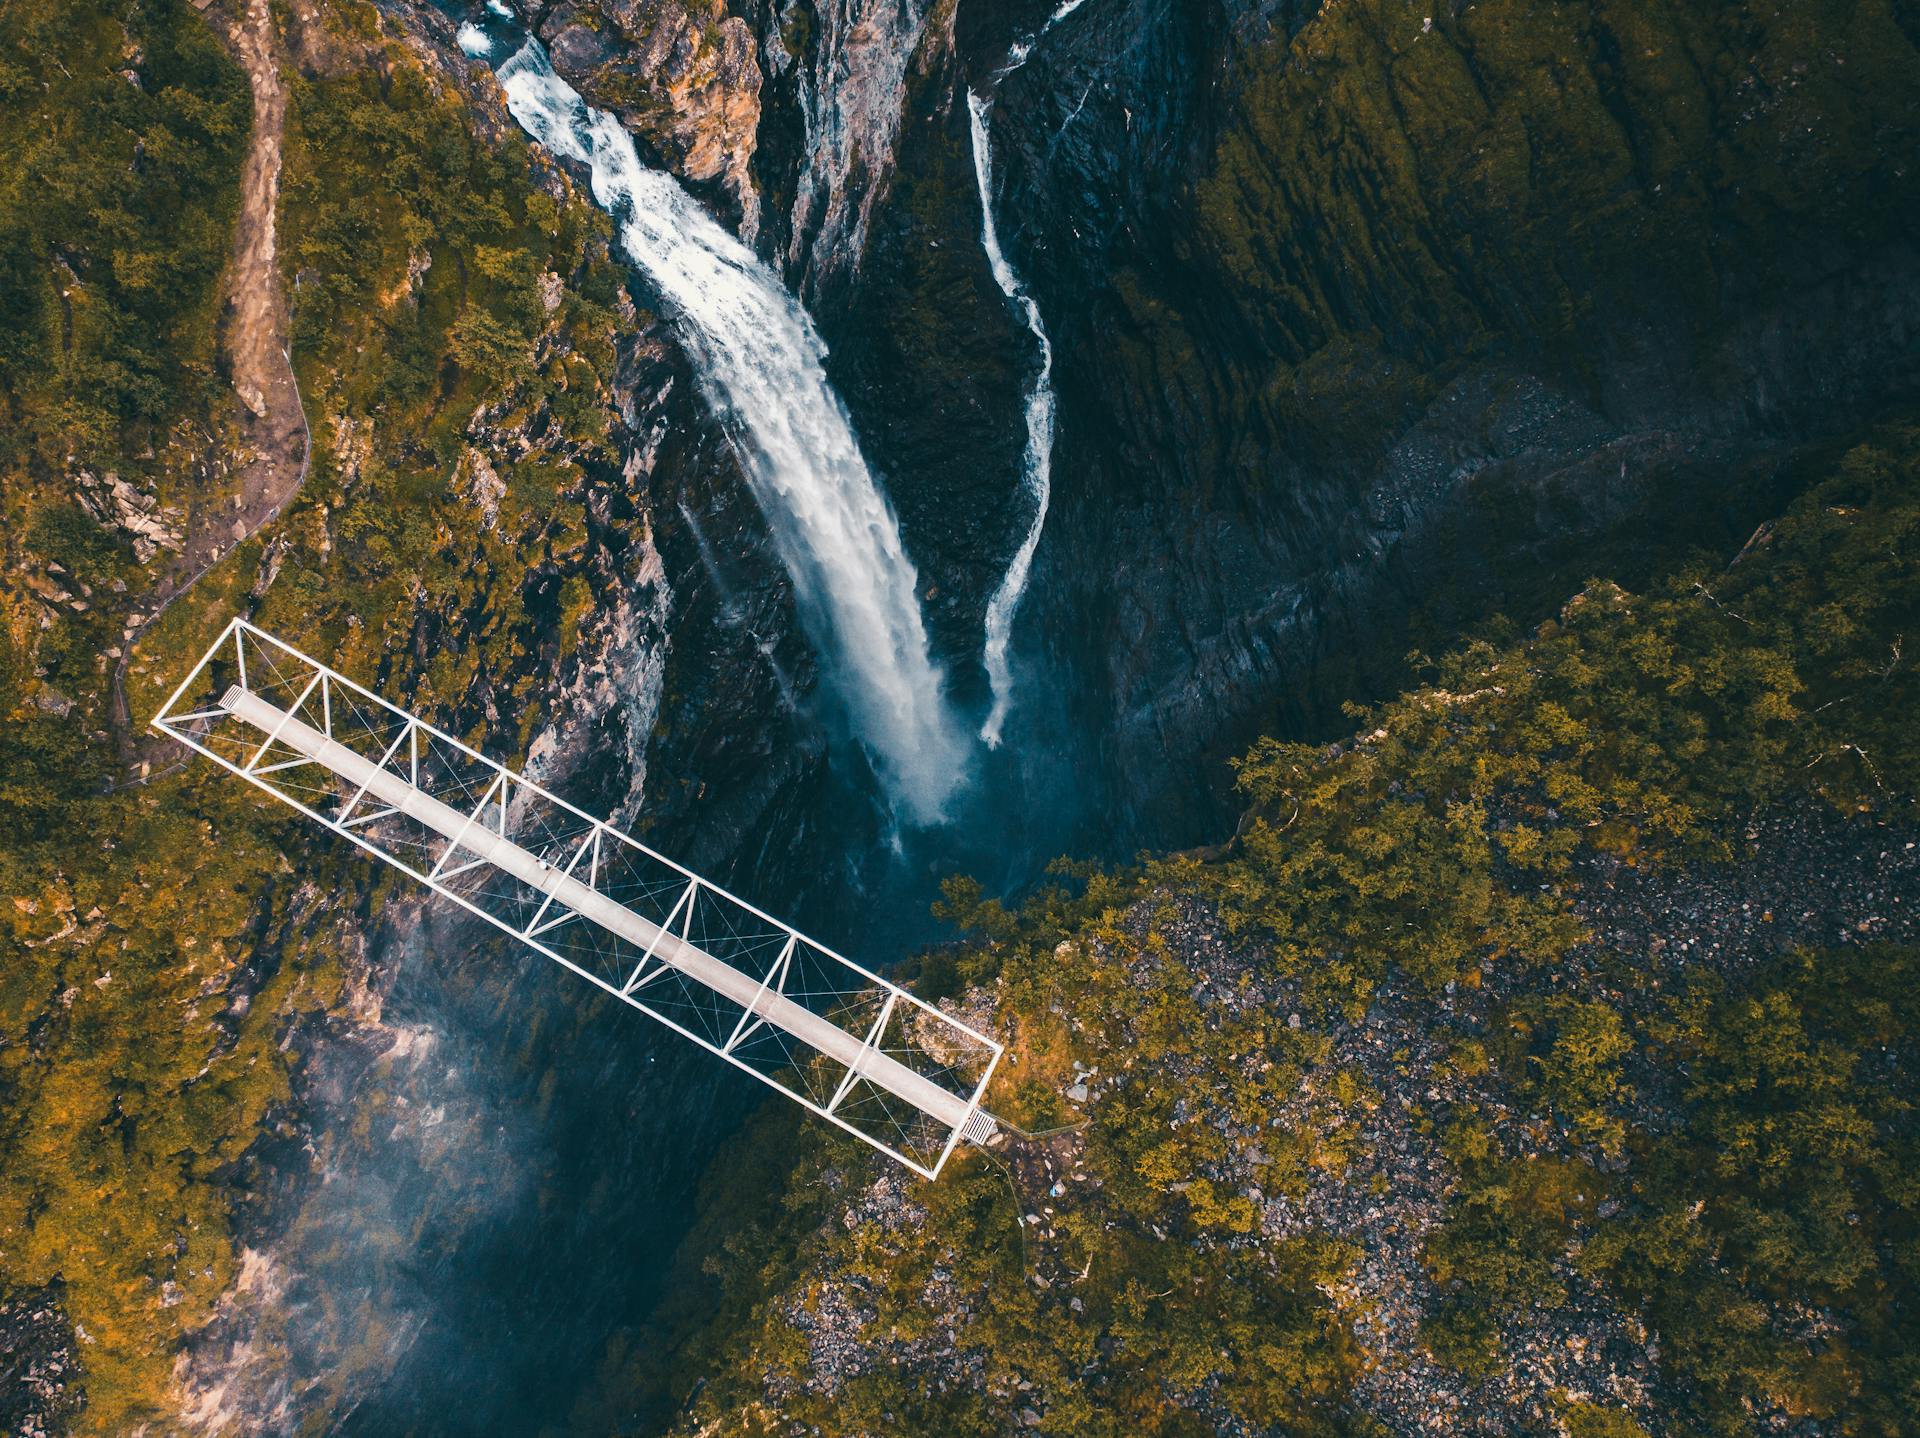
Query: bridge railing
[847, 1044]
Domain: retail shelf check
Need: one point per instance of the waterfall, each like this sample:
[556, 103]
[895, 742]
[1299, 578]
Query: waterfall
[760, 365]
[1036, 462]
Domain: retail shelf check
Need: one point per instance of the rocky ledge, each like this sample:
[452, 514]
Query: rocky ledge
[682, 75]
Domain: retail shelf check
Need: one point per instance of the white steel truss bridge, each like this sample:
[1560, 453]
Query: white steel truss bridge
[848, 1045]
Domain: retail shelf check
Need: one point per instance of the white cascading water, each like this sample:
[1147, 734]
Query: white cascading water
[760, 366]
[1036, 463]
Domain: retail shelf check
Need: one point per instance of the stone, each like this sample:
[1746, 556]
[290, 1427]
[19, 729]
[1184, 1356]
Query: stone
[578, 47]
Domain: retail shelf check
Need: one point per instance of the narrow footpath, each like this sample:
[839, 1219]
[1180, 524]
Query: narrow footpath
[277, 445]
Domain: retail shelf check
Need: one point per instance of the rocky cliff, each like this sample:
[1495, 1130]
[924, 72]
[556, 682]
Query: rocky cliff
[641, 652]
[1369, 322]
[684, 77]
[511, 521]
[1374, 320]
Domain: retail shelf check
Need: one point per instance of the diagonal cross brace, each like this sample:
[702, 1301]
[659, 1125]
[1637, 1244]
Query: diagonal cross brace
[440, 869]
[534, 926]
[873, 1037]
[777, 977]
[685, 901]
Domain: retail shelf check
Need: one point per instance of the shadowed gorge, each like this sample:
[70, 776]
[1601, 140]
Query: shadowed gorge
[1427, 309]
[1339, 577]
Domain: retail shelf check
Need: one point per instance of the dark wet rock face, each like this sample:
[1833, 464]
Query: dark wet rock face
[853, 63]
[41, 1388]
[1343, 365]
[1368, 323]
[934, 363]
[1368, 331]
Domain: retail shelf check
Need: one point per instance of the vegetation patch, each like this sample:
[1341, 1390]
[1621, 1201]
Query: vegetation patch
[448, 300]
[1374, 1116]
